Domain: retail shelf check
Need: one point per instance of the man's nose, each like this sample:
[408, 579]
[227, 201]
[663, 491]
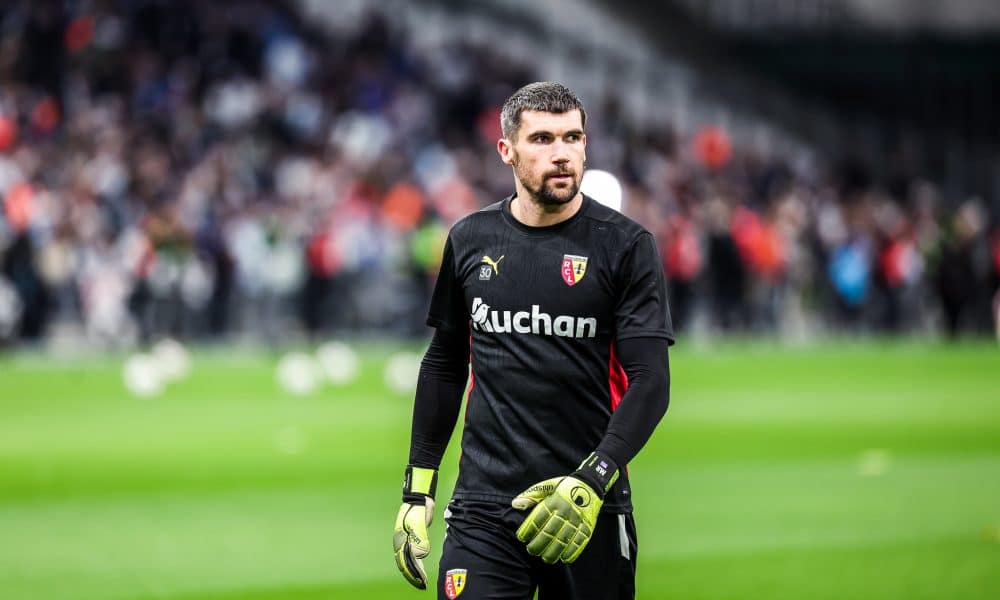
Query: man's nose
[560, 153]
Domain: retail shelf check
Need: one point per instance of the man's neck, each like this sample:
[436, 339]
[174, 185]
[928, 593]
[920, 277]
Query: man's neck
[535, 214]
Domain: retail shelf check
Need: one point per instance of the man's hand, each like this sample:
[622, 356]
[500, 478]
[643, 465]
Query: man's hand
[410, 540]
[565, 510]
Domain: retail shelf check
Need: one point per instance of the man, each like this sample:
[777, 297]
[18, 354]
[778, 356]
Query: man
[562, 303]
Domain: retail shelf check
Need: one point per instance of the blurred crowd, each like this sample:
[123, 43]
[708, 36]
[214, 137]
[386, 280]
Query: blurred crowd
[208, 170]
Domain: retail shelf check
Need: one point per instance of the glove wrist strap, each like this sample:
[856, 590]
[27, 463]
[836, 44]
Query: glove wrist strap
[418, 483]
[599, 471]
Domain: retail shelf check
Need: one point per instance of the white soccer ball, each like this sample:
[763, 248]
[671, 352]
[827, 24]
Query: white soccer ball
[173, 359]
[142, 376]
[401, 372]
[338, 362]
[298, 373]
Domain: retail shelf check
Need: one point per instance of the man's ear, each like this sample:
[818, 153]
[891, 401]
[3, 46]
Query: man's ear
[506, 151]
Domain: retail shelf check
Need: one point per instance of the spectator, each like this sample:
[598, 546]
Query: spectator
[227, 167]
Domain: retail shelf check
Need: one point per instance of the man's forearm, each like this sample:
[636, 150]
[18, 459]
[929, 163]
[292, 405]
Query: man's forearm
[645, 361]
[444, 372]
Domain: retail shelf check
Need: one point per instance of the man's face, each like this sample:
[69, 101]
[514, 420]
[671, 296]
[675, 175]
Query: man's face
[547, 153]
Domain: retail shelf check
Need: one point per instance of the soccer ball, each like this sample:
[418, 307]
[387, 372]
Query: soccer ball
[298, 374]
[142, 376]
[338, 362]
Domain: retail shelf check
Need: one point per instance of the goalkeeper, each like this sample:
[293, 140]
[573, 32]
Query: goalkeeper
[561, 304]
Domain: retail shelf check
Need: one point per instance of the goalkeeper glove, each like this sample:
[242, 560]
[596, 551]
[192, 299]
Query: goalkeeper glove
[565, 509]
[410, 539]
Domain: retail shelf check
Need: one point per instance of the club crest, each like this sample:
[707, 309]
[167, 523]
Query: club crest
[454, 583]
[573, 268]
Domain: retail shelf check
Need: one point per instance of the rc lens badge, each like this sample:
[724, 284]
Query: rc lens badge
[573, 268]
[454, 583]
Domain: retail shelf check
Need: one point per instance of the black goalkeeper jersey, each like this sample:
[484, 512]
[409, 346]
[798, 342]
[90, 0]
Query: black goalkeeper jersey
[543, 307]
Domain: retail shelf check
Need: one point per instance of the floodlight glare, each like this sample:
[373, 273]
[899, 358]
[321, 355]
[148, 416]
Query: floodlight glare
[603, 187]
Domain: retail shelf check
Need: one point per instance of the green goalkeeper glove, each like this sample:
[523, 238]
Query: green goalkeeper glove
[410, 539]
[565, 509]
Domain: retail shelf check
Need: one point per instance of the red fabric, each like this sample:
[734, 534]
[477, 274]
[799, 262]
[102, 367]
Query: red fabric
[8, 132]
[45, 115]
[769, 253]
[472, 374]
[713, 147]
[322, 255]
[683, 255]
[745, 228]
[617, 380]
[488, 124]
[403, 206]
[472, 377]
[893, 262]
[760, 244]
[79, 33]
[18, 205]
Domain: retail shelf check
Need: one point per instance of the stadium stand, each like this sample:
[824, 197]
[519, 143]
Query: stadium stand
[279, 170]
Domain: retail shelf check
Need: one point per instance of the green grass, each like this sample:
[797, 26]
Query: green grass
[837, 471]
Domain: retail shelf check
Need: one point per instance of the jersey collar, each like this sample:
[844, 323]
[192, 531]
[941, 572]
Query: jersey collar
[544, 230]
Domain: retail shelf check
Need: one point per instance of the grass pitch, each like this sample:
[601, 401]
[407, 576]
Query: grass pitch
[837, 471]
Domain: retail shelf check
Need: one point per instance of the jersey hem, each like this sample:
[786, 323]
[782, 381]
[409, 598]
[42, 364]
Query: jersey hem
[610, 508]
[652, 334]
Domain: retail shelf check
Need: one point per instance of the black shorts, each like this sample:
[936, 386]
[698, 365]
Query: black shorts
[482, 559]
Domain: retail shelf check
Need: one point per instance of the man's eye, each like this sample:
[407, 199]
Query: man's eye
[573, 137]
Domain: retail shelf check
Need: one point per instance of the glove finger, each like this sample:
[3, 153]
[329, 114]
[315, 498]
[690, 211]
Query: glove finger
[562, 532]
[523, 502]
[539, 544]
[533, 523]
[547, 541]
[411, 568]
[552, 552]
[539, 539]
[535, 494]
[575, 548]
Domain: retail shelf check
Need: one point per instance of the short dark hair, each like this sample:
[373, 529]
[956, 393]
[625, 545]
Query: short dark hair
[544, 96]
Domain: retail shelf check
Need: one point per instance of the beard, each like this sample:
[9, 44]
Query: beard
[545, 194]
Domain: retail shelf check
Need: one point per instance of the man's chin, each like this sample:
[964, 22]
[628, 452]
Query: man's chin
[558, 196]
